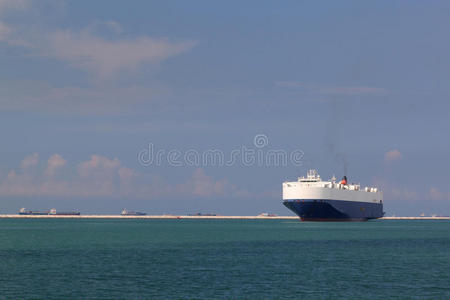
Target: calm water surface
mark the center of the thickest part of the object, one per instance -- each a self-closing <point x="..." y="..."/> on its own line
<point x="203" y="259"/>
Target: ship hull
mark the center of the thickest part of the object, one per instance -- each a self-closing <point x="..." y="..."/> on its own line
<point x="334" y="210"/>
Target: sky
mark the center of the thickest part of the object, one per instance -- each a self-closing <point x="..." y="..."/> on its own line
<point x="204" y="106"/>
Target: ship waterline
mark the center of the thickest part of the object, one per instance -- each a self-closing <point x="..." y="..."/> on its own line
<point x="334" y="210"/>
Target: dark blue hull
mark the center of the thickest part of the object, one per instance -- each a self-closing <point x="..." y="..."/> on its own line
<point x="334" y="210"/>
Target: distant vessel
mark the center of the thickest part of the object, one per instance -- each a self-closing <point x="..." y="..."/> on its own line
<point x="63" y="213"/>
<point x="315" y="200"/>
<point x="203" y="215"/>
<point x="23" y="211"/>
<point x="267" y="215"/>
<point x="132" y="213"/>
<point x="51" y="212"/>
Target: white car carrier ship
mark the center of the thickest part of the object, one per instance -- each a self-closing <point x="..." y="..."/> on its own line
<point x="315" y="200"/>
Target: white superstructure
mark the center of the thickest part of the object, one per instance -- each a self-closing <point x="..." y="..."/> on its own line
<point x="312" y="187"/>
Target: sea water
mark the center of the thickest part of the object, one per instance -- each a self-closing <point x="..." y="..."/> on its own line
<point x="204" y="259"/>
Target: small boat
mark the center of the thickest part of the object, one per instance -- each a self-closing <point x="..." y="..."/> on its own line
<point x="132" y="213"/>
<point x="267" y="215"/>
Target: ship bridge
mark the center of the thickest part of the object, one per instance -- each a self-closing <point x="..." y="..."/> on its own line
<point x="311" y="176"/>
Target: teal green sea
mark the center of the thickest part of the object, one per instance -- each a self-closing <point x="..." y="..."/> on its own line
<point x="204" y="259"/>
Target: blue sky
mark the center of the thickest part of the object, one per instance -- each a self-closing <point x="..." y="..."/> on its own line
<point x="85" y="86"/>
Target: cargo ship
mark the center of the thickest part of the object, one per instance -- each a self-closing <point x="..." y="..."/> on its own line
<point x="23" y="211"/>
<point x="53" y="212"/>
<point x="267" y="215"/>
<point x="132" y="213"/>
<point x="203" y="215"/>
<point x="315" y="200"/>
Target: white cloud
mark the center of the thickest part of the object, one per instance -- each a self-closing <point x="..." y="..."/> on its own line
<point x="8" y="5"/>
<point x="98" y="165"/>
<point x="4" y="31"/>
<point x="54" y="163"/>
<point x="402" y="193"/>
<point x="90" y="49"/>
<point x="395" y="192"/>
<point x="94" y="177"/>
<point x="336" y="90"/>
<point x="203" y="185"/>
<point x="101" y="57"/>
<point x="98" y="176"/>
<point x="101" y="176"/>
<point x="126" y="174"/>
<point x="102" y="48"/>
<point x="435" y="194"/>
<point x="11" y="175"/>
<point x="30" y="161"/>
<point x="392" y="155"/>
<point x="104" y="57"/>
